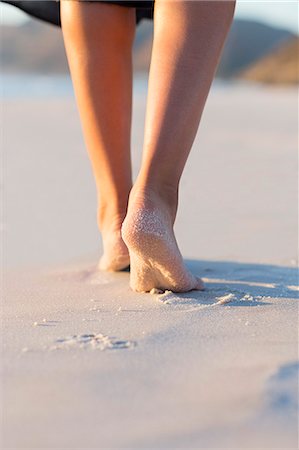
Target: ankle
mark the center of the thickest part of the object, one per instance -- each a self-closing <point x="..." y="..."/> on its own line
<point x="155" y="194"/>
<point x="110" y="217"/>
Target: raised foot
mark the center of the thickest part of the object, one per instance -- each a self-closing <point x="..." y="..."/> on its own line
<point x="155" y="259"/>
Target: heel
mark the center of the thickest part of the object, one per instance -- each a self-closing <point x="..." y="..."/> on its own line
<point x="141" y="274"/>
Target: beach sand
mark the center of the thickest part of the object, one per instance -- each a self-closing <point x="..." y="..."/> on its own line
<point x="86" y="362"/>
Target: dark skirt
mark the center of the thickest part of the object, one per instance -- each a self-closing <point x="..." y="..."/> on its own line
<point x="49" y="10"/>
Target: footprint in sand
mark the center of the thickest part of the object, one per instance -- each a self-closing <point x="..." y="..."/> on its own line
<point x="92" y="341"/>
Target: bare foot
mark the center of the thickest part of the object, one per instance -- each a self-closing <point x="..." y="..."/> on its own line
<point x="155" y="259"/>
<point x="116" y="256"/>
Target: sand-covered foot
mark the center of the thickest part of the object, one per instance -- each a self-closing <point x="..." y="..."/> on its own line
<point x="155" y="259"/>
<point x="116" y="256"/>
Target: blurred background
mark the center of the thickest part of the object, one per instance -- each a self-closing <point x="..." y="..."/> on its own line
<point x="262" y="45"/>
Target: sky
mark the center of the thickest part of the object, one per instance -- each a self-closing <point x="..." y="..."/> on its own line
<point x="283" y="14"/>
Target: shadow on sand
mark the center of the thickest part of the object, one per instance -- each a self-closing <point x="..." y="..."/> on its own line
<point x="237" y="284"/>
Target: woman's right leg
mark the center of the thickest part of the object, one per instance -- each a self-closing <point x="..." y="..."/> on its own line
<point x="98" y="39"/>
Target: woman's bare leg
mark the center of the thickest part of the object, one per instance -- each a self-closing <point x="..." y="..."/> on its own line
<point x="188" y="40"/>
<point x="98" y="39"/>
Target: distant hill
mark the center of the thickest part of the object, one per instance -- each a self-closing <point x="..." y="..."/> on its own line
<point x="34" y="46"/>
<point x="279" y="67"/>
<point x="38" y="47"/>
<point x="247" y="42"/>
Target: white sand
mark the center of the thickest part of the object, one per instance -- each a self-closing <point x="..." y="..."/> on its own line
<point x="89" y="364"/>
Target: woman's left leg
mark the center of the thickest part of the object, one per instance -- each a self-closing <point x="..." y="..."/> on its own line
<point x="98" y="39"/>
<point x="188" y="40"/>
